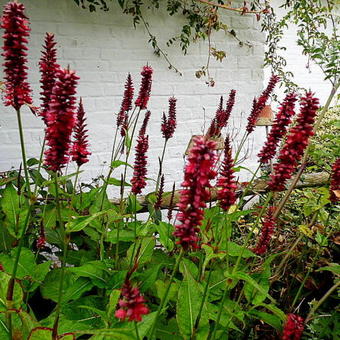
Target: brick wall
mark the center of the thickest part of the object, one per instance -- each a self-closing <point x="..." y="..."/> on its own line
<point x="102" y="47"/>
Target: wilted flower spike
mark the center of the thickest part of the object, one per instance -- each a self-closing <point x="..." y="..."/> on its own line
<point x="48" y="68"/>
<point x="145" y="88"/>
<point x="126" y="105"/>
<point x="171" y="204"/>
<point x="60" y="120"/>
<point x="259" y="104"/>
<point x="266" y="232"/>
<point x="160" y="194"/>
<point x="293" y="327"/>
<point x="226" y="183"/>
<point x="131" y="304"/>
<point x="335" y="182"/>
<point x="296" y="143"/>
<point x="80" y="151"/>
<point x="229" y="107"/>
<point x="138" y="180"/>
<point x="15" y="24"/>
<point x="197" y="176"/>
<point x="169" y="124"/>
<point x="145" y="123"/>
<point x="279" y="128"/>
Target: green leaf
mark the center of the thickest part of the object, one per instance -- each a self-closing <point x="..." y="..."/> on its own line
<point x="113" y="300"/>
<point x="236" y="250"/>
<point x="117" y="182"/>
<point x="26" y="264"/>
<point x="275" y="310"/>
<point x="73" y="287"/>
<point x="18" y="295"/>
<point x="333" y="267"/>
<point x="108" y="334"/>
<point x="15" y="209"/>
<point x="124" y="236"/>
<point x="252" y="282"/>
<point x="144" y="250"/>
<point x="81" y="222"/>
<point x="251" y="293"/>
<point x="188" y="303"/>
<point x="118" y="163"/>
<point x="93" y="270"/>
<point x="269" y="319"/>
<point x="165" y="231"/>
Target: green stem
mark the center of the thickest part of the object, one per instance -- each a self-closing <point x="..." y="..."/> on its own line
<point x="225" y="294"/>
<point x="39" y="165"/>
<point x="205" y="296"/>
<point x="75" y="184"/>
<point x="135" y="233"/>
<point x="136" y="329"/>
<point x="161" y="165"/>
<point x="63" y="262"/>
<point x="166" y="293"/>
<point x="23" y="152"/>
<point x="11" y="283"/>
<point x="239" y="149"/>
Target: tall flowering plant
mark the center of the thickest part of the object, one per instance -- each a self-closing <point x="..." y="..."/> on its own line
<point x="15" y="24"/>
<point x="215" y="264"/>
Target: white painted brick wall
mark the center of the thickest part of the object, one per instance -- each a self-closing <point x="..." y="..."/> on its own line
<point x="103" y="47"/>
<point x="306" y="74"/>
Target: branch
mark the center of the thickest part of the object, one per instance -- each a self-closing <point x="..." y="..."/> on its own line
<point x="260" y="186"/>
<point x="242" y="10"/>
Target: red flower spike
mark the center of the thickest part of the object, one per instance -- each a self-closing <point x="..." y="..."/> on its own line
<point x="259" y="104"/>
<point x="296" y="143"/>
<point x="226" y="183"/>
<point x="335" y="182"/>
<point x="197" y="176"/>
<point x="293" y="327"/>
<point x="80" y="145"/>
<point x="138" y="180"/>
<point x="160" y="194"/>
<point x="267" y="231"/>
<point x="15" y="23"/>
<point x="169" y="124"/>
<point x="279" y="128"/>
<point x="60" y="120"/>
<point x="145" y="88"/>
<point x="145" y="123"/>
<point x="48" y="68"/>
<point x="126" y="105"/>
<point x="131" y="304"/>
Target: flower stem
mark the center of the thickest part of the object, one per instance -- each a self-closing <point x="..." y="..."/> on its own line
<point x="23" y="152"/>
<point x="205" y="296"/>
<point x="136" y="329"/>
<point x="63" y="261"/>
<point x="39" y="165"/>
<point x="239" y="149"/>
<point x="166" y="293"/>
<point x="11" y="283"/>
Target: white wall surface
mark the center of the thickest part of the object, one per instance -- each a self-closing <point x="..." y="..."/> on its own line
<point x="306" y="73"/>
<point x="103" y="47"/>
